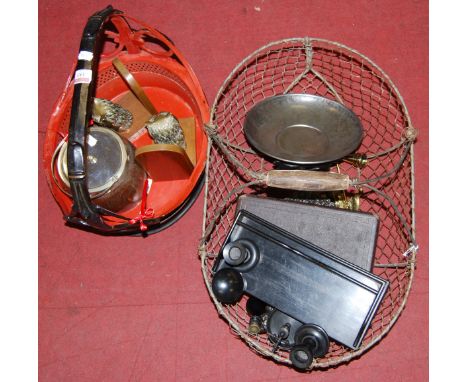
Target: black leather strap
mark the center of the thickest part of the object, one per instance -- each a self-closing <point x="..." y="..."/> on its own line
<point x="83" y="211"/>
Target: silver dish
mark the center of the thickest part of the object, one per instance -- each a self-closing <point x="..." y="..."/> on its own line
<point x="303" y="129"/>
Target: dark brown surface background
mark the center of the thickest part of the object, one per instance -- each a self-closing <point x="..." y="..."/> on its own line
<point x="133" y="309"/>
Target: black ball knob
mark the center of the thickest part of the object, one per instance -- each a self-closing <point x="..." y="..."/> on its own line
<point x="228" y="285"/>
<point x="255" y="307"/>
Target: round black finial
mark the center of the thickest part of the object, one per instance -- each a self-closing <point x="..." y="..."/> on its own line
<point x="228" y="285"/>
<point x="314" y="337"/>
<point x="301" y="357"/>
<point x="235" y="253"/>
<point x="311" y="341"/>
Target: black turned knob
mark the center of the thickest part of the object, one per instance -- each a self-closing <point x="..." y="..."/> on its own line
<point x="314" y="337"/>
<point x="301" y="357"/>
<point x="228" y="285"/>
<point x="235" y="253"/>
<point x="311" y="342"/>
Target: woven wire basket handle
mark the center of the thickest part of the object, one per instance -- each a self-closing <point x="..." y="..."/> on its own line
<point x="382" y="173"/>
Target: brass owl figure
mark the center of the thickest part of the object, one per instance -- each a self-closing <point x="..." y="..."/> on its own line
<point x="165" y="128"/>
<point x="109" y="114"/>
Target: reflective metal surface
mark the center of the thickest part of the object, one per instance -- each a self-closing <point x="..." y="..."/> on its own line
<point x="302" y="129"/>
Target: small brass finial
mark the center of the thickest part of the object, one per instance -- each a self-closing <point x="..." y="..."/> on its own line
<point x="358" y="160"/>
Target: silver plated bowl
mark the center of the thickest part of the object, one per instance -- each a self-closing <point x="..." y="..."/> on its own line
<point x="303" y="129"/>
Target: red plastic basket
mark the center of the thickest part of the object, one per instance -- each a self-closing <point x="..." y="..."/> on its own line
<point x="170" y="84"/>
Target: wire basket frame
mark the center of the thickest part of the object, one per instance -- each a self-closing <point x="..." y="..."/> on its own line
<point x="385" y="184"/>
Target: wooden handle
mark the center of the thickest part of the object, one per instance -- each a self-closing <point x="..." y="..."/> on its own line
<point x="134" y="85"/>
<point x="303" y="180"/>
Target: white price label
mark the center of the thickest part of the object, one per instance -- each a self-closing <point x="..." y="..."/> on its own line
<point x="85" y="55"/>
<point x="83" y="76"/>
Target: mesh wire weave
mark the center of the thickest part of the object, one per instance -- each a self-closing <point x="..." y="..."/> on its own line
<point x="334" y="71"/>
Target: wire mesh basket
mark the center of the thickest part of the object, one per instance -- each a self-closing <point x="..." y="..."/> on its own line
<point x="381" y="176"/>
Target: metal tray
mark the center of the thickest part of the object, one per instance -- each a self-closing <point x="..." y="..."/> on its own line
<point x="303" y="129"/>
